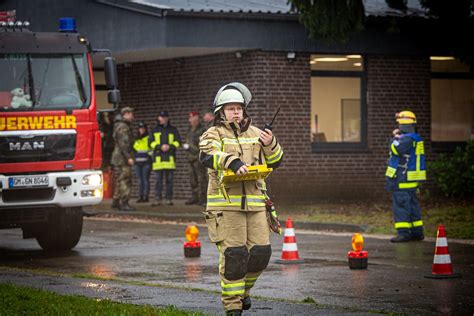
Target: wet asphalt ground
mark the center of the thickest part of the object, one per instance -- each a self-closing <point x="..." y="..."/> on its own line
<point x="153" y="253"/>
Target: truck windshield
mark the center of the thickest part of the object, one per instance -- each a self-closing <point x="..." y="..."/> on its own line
<point x="44" y="82"/>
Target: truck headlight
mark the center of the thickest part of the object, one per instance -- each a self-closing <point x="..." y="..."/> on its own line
<point x="92" y="179"/>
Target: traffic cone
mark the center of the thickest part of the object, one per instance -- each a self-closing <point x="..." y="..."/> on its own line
<point x="289" y="253"/>
<point x="442" y="266"/>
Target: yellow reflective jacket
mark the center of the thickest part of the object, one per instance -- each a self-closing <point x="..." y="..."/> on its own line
<point x="142" y="150"/>
<point x="228" y="146"/>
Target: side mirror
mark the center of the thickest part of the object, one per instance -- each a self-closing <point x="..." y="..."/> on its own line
<point x="113" y="97"/>
<point x="111" y="81"/>
<point x="110" y="69"/>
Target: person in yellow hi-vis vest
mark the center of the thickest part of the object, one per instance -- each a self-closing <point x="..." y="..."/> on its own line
<point x="164" y="140"/>
<point x="236" y="219"/>
<point x="142" y="163"/>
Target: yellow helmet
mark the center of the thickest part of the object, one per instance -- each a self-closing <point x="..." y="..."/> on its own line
<point x="406" y="117"/>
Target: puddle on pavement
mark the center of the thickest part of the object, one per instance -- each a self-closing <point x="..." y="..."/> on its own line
<point x="94" y="285"/>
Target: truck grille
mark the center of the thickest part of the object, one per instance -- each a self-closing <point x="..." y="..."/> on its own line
<point x="37" y="145"/>
<point x="27" y="195"/>
<point x="12" y="217"/>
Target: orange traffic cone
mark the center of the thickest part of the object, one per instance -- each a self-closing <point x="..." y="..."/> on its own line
<point x="289" y="252"/>
<point x="442" y="266"/>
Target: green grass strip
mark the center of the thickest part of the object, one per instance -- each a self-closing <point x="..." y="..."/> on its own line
<point x="19" y="300"/>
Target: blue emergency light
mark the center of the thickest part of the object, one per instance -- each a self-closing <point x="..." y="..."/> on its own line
<point x="67" y="25"/>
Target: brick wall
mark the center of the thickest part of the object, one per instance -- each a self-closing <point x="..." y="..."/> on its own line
<point x="181" y="85"/>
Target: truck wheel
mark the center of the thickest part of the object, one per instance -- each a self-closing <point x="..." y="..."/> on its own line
<point x="63" y="230"/>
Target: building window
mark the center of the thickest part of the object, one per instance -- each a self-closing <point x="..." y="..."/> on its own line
<point x="337" y="101"/>
<point x="452" y="100"/>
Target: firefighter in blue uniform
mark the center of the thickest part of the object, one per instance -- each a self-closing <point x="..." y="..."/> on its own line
<point x="164" y="141"/>
<point x="406" y="169"/>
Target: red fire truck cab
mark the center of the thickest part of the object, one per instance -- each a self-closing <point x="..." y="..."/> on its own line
<point x="50" y="143"/>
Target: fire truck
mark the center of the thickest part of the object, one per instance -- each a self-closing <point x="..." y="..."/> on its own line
<point x="50" y="142"/>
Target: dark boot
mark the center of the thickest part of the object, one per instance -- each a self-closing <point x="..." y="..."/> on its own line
<point x="246" y="303"/>
<point x="145" y="199"/>
<point x="125" y="207"/>
<point x="140" y="200"/>
<point x="116" y="204"/>
<point x="234" y="312"/>
<point x="169" y="202"/>
<point x="400" y="238"/>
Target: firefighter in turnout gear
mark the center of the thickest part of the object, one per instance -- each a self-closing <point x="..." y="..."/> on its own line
<point x="164" y="141"/>
<point x="197" y="172"/>
<point x="237" y="222"/>
<point x="406" y="169"/>
<point x="122" y="160"/>
<point x="142" y="164"/>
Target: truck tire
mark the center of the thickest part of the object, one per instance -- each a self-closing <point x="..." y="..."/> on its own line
<point x="63" y="230"/>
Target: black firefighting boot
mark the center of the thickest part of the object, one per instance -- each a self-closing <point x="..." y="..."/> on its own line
<point x="246" y="303"/>
<point x="234" y="312"/>
<point x="125" y="207"/>
<point x="400" y="238"/>
<point x="116" y="204"/>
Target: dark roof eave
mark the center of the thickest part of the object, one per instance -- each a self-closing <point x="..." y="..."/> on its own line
<point x="234" y="15"/>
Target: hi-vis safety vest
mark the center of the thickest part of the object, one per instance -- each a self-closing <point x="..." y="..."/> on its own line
<point x="160" y="136"/>
<point x="410" y="168"/>
<point x="142" y="150"/>
<point x="220" y="146"/>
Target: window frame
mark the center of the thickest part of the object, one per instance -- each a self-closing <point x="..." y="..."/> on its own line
<point x="318" y="147"/>
<point x="439" y="146"/>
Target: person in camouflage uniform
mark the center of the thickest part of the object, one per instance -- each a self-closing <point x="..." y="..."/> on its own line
<point x="122" y="160"/>
<point x="197" y="172"/>
<point x="208" y="119"/>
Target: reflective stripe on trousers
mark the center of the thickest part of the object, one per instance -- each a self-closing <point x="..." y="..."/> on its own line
<point x="233" y="288"/>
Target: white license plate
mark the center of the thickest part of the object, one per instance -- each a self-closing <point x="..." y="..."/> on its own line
<point x="28" y="181"/>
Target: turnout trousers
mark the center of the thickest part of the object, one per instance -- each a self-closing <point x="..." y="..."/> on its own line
<point x="243" y="241"/>
<point x="407" y="213"/>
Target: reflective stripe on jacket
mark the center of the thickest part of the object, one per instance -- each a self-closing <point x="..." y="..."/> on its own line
<point x="220" y="146"/>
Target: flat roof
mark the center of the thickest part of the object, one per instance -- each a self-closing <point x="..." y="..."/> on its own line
<point x="372" y="7"/>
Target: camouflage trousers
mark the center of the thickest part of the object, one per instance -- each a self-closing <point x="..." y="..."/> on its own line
<point x="198" y="180"/>
<point x="122" y="182"/>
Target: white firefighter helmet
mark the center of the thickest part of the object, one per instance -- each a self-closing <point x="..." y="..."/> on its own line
<point x="234" y="92"/>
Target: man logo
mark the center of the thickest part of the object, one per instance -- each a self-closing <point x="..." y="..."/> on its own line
<point x="26" y="146"/>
